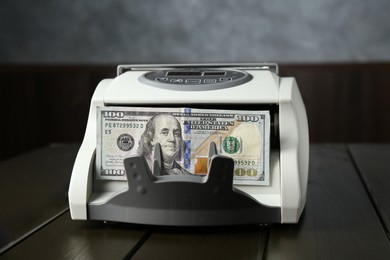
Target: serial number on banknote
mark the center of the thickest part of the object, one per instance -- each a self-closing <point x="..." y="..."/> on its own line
<point x="123" y="125"/>
<point x="244" y="162"/>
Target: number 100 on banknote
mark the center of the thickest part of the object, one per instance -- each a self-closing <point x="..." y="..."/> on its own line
<point x="184" y="135"/>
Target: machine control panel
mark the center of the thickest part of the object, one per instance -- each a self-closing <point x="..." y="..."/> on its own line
<point x="195" y="79"/>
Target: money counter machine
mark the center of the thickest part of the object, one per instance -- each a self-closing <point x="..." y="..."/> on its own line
<point x="244" y="147"/>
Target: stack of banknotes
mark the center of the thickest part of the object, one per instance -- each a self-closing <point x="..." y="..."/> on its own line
<point x="184" y="135"/>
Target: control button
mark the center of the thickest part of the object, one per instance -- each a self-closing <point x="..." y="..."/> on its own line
<point x="162" y="79"/>
<point x="193" y="81"/>
<point x="225" y="79"/>
<point x="176" y="80"/>
<point x="209" y="81"/>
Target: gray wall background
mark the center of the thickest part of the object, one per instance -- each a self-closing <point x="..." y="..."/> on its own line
<point x="154" y="31"/>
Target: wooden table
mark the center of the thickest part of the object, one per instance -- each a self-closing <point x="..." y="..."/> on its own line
<point x="347" y="215"/>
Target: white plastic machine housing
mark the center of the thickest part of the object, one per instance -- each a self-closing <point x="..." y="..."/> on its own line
<point x="288" y="163"/>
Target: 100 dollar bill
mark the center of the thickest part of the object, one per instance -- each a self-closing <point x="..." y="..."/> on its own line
<point x="184" y="135"/>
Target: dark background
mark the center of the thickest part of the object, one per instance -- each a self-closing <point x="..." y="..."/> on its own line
<point x="53" y="53"/>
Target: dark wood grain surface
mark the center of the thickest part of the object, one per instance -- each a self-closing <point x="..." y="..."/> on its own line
<point x="65" y="238"/>
<point x="339" y="221"/>
<point x="373" y="163"/>
<point x="240" y="242"/>
<point x="33" y="190"/>
<point x="345" y="216"/>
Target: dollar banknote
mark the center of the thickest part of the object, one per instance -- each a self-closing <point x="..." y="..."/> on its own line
<point x="184" y="135"/>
